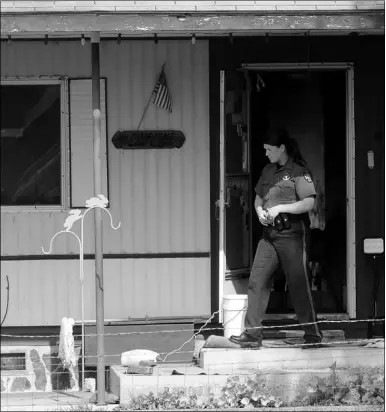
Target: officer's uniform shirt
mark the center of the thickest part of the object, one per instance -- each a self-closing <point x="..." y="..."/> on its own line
<point x="284" y="184"/>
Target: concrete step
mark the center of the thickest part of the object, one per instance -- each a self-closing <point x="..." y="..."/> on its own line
<point x="203" y="382"/>
<point x="292" y="358"/>
<point x="190" y="381"/>
<point x="287" y="384"/>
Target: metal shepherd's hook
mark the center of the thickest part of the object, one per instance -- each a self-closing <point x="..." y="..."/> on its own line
<point x="95" y="202"/>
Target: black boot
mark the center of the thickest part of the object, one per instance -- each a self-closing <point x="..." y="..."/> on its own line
<point x="245" y="340"/>
<point x="313" y="344"/>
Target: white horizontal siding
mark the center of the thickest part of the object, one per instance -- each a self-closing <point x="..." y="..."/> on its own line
<point x="161" y="197"/>
<point x="43" y="292"/>
<point x="82" y="142"/>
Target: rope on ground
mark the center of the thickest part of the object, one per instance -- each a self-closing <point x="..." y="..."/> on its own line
<point x="195" y="334"/>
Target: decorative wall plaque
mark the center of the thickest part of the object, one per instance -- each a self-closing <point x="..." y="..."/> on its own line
<point x="148" y="139"/>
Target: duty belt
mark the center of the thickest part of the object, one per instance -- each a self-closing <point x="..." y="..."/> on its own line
<point x="283" y="221"/>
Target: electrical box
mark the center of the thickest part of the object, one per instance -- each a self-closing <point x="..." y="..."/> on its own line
<point x="373" y="246"/>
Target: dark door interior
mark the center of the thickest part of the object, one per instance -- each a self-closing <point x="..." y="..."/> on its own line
<point x="311" y="105"/>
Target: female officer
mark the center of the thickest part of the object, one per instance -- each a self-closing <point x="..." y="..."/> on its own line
<point x="284" y="195"/>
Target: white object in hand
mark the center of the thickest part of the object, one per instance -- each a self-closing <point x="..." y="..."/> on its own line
<point x="140" y="358"/>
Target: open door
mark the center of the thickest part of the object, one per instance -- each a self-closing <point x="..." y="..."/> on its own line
<point x="235" y="248"/>
<point x="315" y="104"/>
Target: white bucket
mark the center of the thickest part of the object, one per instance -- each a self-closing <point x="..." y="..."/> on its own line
<point x="234" y="311"/>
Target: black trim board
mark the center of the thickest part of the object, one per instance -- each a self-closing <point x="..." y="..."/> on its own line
<point x="90" y="256"/>
<point x="186" y="36"/>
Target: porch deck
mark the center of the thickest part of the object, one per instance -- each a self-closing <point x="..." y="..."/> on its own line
<point x="212" y="375"/>
<point x="286" y="368"/>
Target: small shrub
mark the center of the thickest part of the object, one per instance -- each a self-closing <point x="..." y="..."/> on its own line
<point x="236" y="394"/>
<point x="358" y="386"/>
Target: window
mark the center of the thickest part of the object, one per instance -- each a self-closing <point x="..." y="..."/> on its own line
<point x="32" y="143"/>
<point x="43" y="167"/>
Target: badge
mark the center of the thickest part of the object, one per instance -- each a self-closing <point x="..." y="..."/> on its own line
<point x="307" y="176"/>
<point x="286" y="177"/>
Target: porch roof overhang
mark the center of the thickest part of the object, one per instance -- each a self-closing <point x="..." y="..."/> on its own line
<point x="129" y="25"/>
<point x="33" y="19"/>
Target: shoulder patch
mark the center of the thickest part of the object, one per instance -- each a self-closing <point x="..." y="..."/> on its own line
<point x="307" y="176"/>
<point x="270" y="167"/>
<point x="286" y="177"/>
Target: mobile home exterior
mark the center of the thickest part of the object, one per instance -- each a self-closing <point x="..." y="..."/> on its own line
<point x="163" y="262"/>
<point x="160" y="197"/>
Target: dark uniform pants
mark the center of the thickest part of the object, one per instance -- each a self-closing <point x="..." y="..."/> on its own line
<point x="287" y="248"/>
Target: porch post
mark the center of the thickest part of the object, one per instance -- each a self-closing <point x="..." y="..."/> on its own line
<point x="99" y="292"/>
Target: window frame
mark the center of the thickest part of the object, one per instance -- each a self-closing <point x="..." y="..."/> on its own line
<point x="64" y="140"/>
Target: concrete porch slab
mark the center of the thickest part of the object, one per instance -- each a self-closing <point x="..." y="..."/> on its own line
<point x="286" y="384"/>
<point x="285" y="369"/>
<point x="292" y="358"/>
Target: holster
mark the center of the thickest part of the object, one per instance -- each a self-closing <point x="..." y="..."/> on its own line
<point x="282" y="222"/>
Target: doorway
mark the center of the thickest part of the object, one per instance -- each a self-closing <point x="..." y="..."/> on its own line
<point x="312" y="106"/>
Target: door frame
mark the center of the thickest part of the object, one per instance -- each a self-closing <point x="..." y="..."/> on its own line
<point x="348" y="67"/>
<point x="221" y="202"/>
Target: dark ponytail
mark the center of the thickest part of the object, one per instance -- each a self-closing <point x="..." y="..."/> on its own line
<point x="294" y="152"/>
<point x="281" y="137"/>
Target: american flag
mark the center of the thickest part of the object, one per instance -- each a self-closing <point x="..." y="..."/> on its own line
<point x="161" y="93"/>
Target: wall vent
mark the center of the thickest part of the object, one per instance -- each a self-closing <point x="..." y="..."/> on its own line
<point x="13" y="361"/>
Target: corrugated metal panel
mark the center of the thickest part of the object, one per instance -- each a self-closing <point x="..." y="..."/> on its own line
<point x="42" y="292"/>
<point x="161" y="197"/>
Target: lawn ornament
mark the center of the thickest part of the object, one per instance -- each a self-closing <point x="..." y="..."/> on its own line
<point x="100" y="201"/>
<point x="74" y="215"/>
